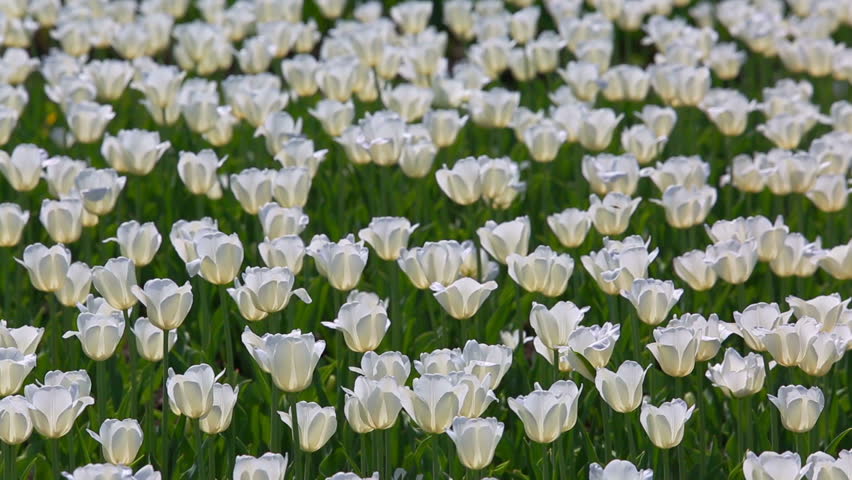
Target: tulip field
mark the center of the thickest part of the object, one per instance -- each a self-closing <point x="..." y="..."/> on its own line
<point x="414" y="240"/>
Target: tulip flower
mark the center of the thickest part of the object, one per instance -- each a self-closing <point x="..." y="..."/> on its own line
<point x="680" y="170"/>
<point x="738" y="376"/>
<point x="709" y="331"/>
<point x="120" y="440"/>
<point x="167" y="304"/>
<point x="493" y="108"/>
<point x="687" y="207"/>
<point x="23" y="167"/>
<point x="47" y="267"/>
<point x="270" y="289"/>
<point x="476" y="440"/>
<point x="692" y="268"/>
<point x="755" y="320"/>
<point x="733" y="261"/>
<point x="14" y="367"/>
<point x="554" y="326"/>
<point x="108" y="470"/>
<point x="362" y="324"/>
<point x="615" y="267"/>
<point x="387" y="235"/>
<point x="597" y="129"/>
<point x="570" y="226"/>
<point x="772" y="466"/>
<point x="665" y="424"/>
<point x="595" y="343"/>
<point x="16" y="426"/>
<point x="278" y="221"/>
<point x="341" y="263"/>
<point x="543" y="414"/>
<point x="821" y="465"/>
<point x="796" y="256"/>
<point x="611" y="173"/>
<point x="640" y="141"/>
<point x="149" y="339"/>
<point x="659" y="119"/>
<point x="612" y="215"/>
<point x="500" y="240"/>
<point x="138" y="242"/>
<point x="219" y="257"/>
<point x="13" y="219"/>
<point x="675" y="349"/>
<point x="463" y="298"/>
<point x="653" y="299"/>
<point x="290" y="358"/>
<point x="218" y="419"/>
<point x="433" y="401"/>
<point x="25" y="338"/>
<point x="388" y="364"/>
<point x="191" y="393"/>
<point x="252" y="188"/>
<point x="619" y="470"/>
<point x="133" y="151"/>
<point x="63" y="219"/>
<point x="316" y="425"/>
<point x="272" y="466"/>
<point x="837" y="261"/>
<point x="373" y="404"/>
<point x="300" y="152"/>
<point x="198" y="170"/>
<point x="542" y="271"/>
<point x="53" y="409"/>
<point x="287" y="251"/>
<point x="99" y="334"/>
<point x="622" y="389"/>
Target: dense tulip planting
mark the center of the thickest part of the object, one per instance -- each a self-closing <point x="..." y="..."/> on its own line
<point x="422" y="240"/>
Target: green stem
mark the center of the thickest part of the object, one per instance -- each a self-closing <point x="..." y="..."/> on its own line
<point x="386" y="464"/>
<point x="103" y="391"/>
<point x="9" y="461"/>
<point x="545" y="465"/>
<point x="436" y="459"/>
<point x="307" y="466"/>
<point x="229" y="341"/>
<point x="667" y="473"/>
<point x="164" y="425"/>
<point x="134" y="396"/>
<point x="274" y="437"/>
<point x="606" y="420"/>
<point x="56" y="327"/>
<point x="395" y="304"/>
<point x="200" y="464"/>
<point x="54" y="456"/>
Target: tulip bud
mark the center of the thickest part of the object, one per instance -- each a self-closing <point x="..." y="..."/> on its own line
<point x="334" y="116"/>
<point x="252" y="188"/>
<point x="110" y="77"/>
<point x="659" y="119"/>
<point x="417" y="157"/>
<point x="583" y="78"/>
<point x="543" y="140"/>
<point x="687" y="206"/>
<point x="626" y="82"/>
<point x="362" y="324"/>
<point x="88" y="120"/>
<point x="149" y="339"/>
<point x="47" y="267"/>
<point x="25" y="338"/>
<point x="493" y="108"/>
<point x="120" y="440"/>
<point x="134" y="151"/>
<point x="476" y="440"/>
<point x="542" y="271"/>
<point x="242" y="297"/>
<point x="99" y="189"/>
<point x="444" y="126"/>
<point x="291" y="185"/>
<point x="622" y="389"/>
<point x="433" y="401"/>
<point x="16" y="426"/>
<point x="796" y="257"/>
<point x="619" y="469"/>
<point x="276" y="354"/>
<point x="652" y="299"/>
<point x="462" y="183"/>
<point x="191" y="393"/>
<point x="340" y="263"/>
<point x="53" y="409"/>
<point x="198" y="171"/>
<point x="799" y="407"/>
<point x="271" y="466"/>
<point x="316" y="425"/>
<point x="23" y="168"/>
<point x="830" y="192"/>
<point x="463" y="298"/>
<point x="570" y="226"/>
<point x="728" y="110"/>
<point x="115" y="281"/>
<point x="501" y="240"/>
<point x="612" y="215"/>
<point x="665" y="424"/>
<point x="628" y="261"/>
<point x="640" y="141"/>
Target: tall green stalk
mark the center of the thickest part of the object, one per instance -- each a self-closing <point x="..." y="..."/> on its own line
<point x="229" y="341"/>
<point x="200" y="464"/>
<point x="103" y="389"/>
<point x="53" y="449"/>
<point x="164" y="423"/>
<point x="9" y="461"/>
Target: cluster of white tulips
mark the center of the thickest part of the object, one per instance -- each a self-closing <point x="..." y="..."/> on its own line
<point x="260" y="132"/>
